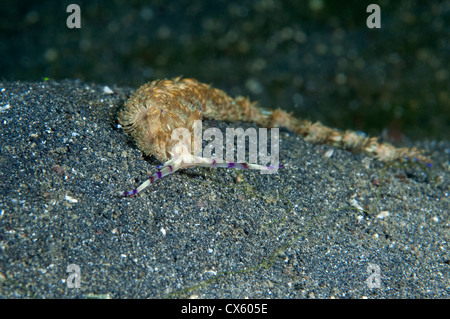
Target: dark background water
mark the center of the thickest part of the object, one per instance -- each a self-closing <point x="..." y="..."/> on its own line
<point x="315" y="58"/>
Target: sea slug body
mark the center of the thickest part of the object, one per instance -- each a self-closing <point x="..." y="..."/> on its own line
<point x="157" y="108"/>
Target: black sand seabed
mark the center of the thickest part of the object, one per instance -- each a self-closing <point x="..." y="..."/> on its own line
<point x="200" y="232"/>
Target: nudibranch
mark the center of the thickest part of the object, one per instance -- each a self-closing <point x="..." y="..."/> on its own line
<point x="157" y="108"/>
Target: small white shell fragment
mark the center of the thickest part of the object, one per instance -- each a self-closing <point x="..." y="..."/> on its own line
<point x="107" y="90"/>
<point x="354" y="203"/>
<point x="71" y="199"/>
<point x="329" y="153"/>
<point x="4" y="108"/>
<point x="163" y="231"/>
<point x="383" y="214"/>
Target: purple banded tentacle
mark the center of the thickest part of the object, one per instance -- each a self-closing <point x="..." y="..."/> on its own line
<point x="173" y="165"/>
<point x="167" y="170"/>
<point x="204" y="162"/>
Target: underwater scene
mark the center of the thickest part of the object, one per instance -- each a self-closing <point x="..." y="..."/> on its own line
<point x="222" y="150"/>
